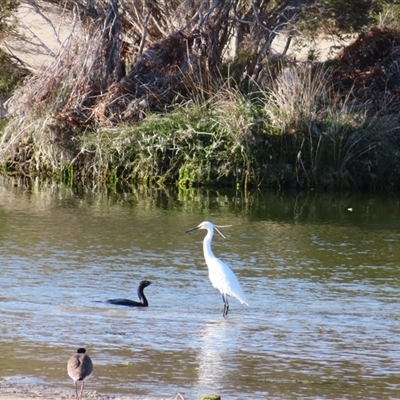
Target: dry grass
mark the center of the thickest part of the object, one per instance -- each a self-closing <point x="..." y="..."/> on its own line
<point x="298" y="98"/>
<point x="35" y="106"/>
<point x="335" y="142"/>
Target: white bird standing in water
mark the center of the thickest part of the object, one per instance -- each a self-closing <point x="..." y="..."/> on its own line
<point x="220" y="274"/>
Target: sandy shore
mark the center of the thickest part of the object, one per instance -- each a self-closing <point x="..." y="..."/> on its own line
<point x="43" y="33"/>
<point x="11" y="391"/>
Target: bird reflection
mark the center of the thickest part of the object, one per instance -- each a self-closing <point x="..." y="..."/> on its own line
<point x="215" y="345"/>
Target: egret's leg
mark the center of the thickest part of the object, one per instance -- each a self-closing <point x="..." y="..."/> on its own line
<point x="226" y="305"/>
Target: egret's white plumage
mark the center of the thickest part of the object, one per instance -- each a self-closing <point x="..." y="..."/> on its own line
<point x="220" y="274"/>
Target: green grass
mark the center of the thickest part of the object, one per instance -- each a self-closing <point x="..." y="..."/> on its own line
<point x="194" y="144"/>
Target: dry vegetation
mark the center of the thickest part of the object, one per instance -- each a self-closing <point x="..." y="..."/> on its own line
<point x="158" y="103"/>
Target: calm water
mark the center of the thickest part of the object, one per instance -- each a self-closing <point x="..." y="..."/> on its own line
<point x="323" y="283"/>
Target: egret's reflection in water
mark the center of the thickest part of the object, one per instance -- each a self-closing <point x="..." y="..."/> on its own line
<point x="213" y="353"/>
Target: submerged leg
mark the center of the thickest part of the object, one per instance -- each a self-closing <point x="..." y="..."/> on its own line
<point x="226" y="305"/>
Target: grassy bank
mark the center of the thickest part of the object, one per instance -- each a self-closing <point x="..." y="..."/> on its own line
<point x="300" y="129"/>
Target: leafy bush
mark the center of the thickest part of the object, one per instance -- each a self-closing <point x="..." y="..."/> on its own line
<point x="6" y="15"/>
<point x="11" y="74"/>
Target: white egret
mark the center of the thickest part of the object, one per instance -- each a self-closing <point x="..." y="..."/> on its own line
<point x="131" y="303"/>
<point x="79" y="368"/>
<point x="220" y="274"/>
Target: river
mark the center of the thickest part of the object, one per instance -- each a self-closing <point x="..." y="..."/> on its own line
<point x="321" y="273"/>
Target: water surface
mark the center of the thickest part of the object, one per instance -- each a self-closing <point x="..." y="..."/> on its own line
<point x="321" y="274"/>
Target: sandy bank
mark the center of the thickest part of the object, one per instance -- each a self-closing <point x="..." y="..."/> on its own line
<point x="12" y="391"/>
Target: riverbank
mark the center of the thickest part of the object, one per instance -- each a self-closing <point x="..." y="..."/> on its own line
<point x="326" y="125"/>
<point x="12" y="391"/>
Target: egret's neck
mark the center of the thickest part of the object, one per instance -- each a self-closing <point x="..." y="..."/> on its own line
<point x="207" y="245"/>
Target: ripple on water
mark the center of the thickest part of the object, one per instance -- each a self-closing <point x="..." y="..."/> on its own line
<point x="323" y="321"/>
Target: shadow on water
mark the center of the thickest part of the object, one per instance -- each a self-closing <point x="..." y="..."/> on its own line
<point x="321" y="273"/>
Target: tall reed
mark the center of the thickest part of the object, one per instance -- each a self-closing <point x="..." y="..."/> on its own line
<point x="329" y="141"/>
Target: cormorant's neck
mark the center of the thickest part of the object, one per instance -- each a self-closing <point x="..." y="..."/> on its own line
<point x="142" y="297"/>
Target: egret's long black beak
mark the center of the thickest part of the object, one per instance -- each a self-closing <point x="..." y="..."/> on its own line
<point x="193" y="229"/>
